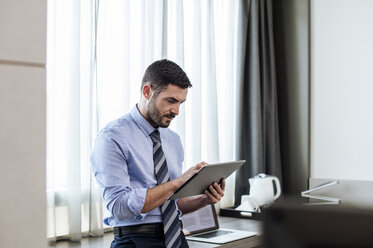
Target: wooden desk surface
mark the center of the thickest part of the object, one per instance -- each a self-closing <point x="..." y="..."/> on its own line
<point x="238" y="224"/>
<point x="225" y="222"/>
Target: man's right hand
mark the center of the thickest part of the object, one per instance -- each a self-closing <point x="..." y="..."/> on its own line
<point x="158" y="195"/>
<point x="188" y="174"/>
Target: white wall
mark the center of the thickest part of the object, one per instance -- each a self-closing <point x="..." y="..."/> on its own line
<point x="22" y="123"/>
<point x="342" y="89"/>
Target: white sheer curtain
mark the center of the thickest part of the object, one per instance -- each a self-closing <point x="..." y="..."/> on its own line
<point x="74" y="200"/>
<point x="198" y="35"/>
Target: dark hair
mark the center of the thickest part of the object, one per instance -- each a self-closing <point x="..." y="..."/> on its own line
<point x="164" y="72"/>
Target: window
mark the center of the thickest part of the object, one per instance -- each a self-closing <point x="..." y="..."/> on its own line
<point x="93" y="81"/>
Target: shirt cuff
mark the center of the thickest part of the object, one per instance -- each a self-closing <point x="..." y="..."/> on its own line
<point x="136" y="202"/>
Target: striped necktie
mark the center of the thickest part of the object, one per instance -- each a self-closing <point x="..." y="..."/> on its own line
<point x="171" y="224"/>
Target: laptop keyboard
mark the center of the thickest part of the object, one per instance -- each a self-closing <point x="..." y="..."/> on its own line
<point x="212" y="234"/>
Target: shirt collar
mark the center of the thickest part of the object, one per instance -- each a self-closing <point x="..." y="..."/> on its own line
<point x="143" y="124"/>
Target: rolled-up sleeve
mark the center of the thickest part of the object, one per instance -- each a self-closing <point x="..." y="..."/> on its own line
<point x="136" y="202"/>
<point x="110" y="169"/>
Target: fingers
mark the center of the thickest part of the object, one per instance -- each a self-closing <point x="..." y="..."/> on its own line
<point x="190" y="172"/>
<point x="199" y="166"/>
<point x="218" y="189"/>
<point x="222" y="184"/>
<point x="215" y="192"/>
<point x="211" y="198"/>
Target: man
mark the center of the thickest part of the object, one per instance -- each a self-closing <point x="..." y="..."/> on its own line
<point x="137" y="161"/>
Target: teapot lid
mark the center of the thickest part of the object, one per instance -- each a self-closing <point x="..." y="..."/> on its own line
<point x="262" y="175"/>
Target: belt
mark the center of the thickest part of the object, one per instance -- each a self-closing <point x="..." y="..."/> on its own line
<point x="154" y="228"/>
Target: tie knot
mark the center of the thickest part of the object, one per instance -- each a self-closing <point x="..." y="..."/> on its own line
<point x="156" y="137"/>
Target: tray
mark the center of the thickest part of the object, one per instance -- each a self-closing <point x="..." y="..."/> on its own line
<point x="232" y="212"/>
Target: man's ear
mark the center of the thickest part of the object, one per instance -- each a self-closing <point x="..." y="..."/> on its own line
<point x="147" y="91"/>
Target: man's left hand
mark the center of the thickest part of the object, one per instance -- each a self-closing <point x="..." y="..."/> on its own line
<point x="215" y="191"/>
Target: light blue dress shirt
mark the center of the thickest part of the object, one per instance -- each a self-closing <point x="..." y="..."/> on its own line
<point x="122" y="163"/>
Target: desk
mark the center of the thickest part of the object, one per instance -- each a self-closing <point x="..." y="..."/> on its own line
<point x="239" y="224"/>
<point x="225" y="222"/>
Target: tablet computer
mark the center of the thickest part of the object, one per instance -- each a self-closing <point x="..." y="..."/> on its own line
<point x="205" y="176"/>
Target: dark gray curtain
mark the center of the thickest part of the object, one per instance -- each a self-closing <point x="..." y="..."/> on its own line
<point x="258" y="119"/>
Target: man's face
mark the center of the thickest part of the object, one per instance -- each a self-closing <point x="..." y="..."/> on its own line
<point x="165" y="106"/>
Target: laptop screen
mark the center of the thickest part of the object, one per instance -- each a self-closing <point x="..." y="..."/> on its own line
<point x="204" y="219"/>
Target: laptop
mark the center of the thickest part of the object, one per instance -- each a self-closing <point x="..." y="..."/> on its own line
<point x="202" y="225"/>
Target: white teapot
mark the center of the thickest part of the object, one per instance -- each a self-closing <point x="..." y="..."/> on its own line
<point x="261" y="188"/>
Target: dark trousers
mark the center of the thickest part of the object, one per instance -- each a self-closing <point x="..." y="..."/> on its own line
<point x="143" y="240"/>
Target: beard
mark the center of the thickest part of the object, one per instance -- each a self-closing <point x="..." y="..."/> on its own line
<point x="155" y="116"/>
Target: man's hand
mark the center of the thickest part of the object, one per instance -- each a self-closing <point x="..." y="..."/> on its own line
<point x="158" y="195"/>
<point x="215" y="191"/>
<point x="189" y="173"/>
<point x="213" y="194"/>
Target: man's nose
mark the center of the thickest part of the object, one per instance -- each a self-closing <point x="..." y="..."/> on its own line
<point x="175" y="109"/>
